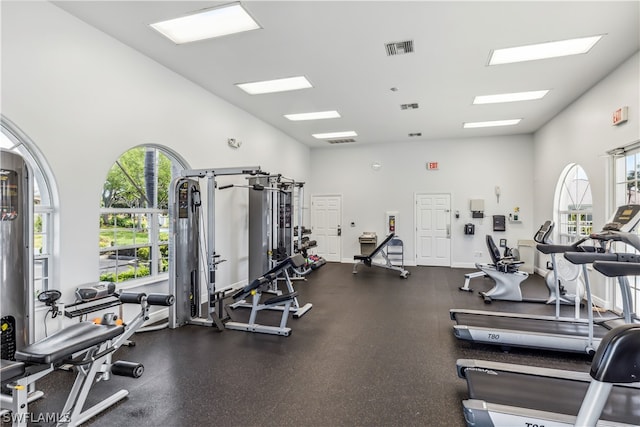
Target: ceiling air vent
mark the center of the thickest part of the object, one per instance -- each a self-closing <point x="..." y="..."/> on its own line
<point x="413" y="106"/>
<point x="415" y="134"/>
<point x="341" y="141"/>
<point x="399" y="48"/>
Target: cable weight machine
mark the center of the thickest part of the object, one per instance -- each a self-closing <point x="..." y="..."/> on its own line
<point x="187" y="228"/>
<point x="273" y="238"/>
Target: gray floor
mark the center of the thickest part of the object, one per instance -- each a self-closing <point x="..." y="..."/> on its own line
<point x="375" y="350"/>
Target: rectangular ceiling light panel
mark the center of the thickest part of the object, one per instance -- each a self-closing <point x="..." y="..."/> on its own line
<point x="220" y="21"/>
<point x="318" y="115"/>
<point x="278" y="85"/>
<point x="510" y="97"/>
<point x="543" y="50"/>
<point x="509" y="122"/>
<point x="332" y="135"/>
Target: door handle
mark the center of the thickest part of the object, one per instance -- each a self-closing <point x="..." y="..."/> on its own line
<point x="448" y="230"/>
<point x="339" y="231"/>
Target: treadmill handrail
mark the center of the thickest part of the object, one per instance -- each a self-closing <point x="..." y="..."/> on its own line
<point x="547" y="248"/>
<point x="589" y="257"/>
<point x="617" y="268"/>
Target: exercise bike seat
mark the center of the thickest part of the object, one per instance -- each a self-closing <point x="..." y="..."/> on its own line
<point x="68" y="341"/>
<point x="504" y="264"/>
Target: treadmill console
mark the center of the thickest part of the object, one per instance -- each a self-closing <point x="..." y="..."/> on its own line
<point x="624" y="219"/>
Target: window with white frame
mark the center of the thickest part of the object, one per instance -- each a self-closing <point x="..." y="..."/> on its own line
<point x="134" y="215"/>
<point x="44" y="209"/>
<point x="573" y="205"/>
<point x="626" y="165"/>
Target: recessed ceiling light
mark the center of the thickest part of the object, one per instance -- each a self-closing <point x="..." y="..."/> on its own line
<point x="216" y="22"/>
<point x="278" y="85"/>
<point x="543" y="50"/>
<point x="509" y="122"/>
<point x="318" y="115"/>
<point x="345" y="134"/>
<point x="510" y="97"/>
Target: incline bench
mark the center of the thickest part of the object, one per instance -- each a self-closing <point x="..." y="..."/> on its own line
<point x="368" y="260"/>
<point x="284" y="301"/>
<point x="297" y="264"/>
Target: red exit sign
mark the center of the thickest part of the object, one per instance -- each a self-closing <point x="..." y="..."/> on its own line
<point x="620" y="116"/>
<point x="432" y="166"/>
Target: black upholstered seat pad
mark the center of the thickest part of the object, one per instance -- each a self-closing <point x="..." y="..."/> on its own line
<point x="68" y="341"/>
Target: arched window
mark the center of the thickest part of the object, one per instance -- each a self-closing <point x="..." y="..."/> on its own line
<point x="573" y="205"/>
<point x="45" y="202"/>
<point x="134" y="214"/>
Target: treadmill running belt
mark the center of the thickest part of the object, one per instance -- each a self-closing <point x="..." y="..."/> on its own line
<point x="550" y="394"/>
<point x="530" y="325"/>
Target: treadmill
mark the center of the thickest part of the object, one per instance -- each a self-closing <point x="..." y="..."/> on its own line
<point x="502" y="394"/>
<point x="554" y="332"/>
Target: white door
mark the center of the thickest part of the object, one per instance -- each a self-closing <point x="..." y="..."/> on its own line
<point x="433" y="229"/>
<point x="326" y="214"/>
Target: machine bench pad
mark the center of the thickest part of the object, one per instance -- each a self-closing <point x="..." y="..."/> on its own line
<point x="66" y="342"/>
<point x="281" y="298"/>
<point x="10" y="369"/>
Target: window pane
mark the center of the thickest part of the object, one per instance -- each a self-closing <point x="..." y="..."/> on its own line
<point x="41" y="275"/>
<point x="39" y="237"/>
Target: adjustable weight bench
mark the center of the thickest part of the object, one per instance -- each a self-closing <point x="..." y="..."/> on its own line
<point x="368" y="260"/>
<point x="88" y="347"/>
<point x="280" y="302"/>
<point x="295" y="263"/>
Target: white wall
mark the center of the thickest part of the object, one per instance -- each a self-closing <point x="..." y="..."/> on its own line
<point x="468" y="169"/>
<point x="582" y="134"/>
<point x="85" y="98"/>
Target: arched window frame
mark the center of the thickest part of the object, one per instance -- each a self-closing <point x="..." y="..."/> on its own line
<point x="573" y="205"/>
<point x="156" y="242"/>
<point x="44" y="219"/>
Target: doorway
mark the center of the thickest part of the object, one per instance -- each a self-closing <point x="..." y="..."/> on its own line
<point x="433" y="229"/>
<point x="326" y="219"/>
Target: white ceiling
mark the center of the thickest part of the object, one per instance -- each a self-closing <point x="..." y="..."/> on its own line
<point x="340" y="47"/>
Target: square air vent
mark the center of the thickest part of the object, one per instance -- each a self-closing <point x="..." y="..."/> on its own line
<point x="341" y="141"/>
<point x="399" y="48"/>
<point x="413" y="106"/>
